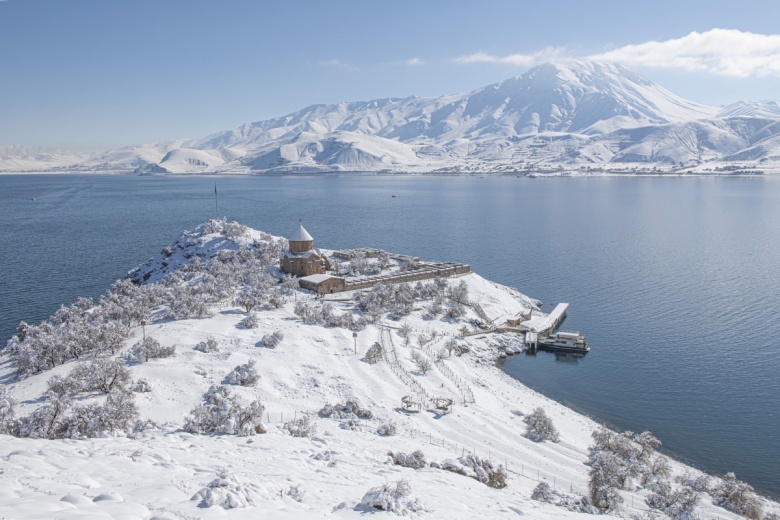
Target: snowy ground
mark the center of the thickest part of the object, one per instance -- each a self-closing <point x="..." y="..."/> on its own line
<point x="158" y="473"/>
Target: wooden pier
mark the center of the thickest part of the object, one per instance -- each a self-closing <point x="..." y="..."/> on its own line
<point x="555" y="319"/>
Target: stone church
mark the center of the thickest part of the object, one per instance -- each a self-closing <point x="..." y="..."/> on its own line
<point x="302" y="259"/>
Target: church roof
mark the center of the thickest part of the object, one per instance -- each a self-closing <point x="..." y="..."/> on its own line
<point x="300" y="235"/>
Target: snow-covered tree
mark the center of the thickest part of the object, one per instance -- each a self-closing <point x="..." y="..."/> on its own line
<point x="373" y="354"/>
<point x="225" y="491"/>
<point x="101" y="375"/>
<point x="738" y="497"/>
<point x="210" y="345"/>
<point x="678" y="504"/>
<point x="607" y="475"/>
<point x="288" y="285"/>
<point x="223" y="412"/>
<point x="244" y="375"/>
<point x="141" y="386"/>
<point x="7" y="404"/>
<point x="187" y="301"/>
<point x="460" y="293"/>
<point x="394" y="497"/>
<point x="387" y="429"/>
<point x="483" y="470"/>
<point x="421" y="361"/>
<point x="700" y="483"/>
<point x="405" y="331"/>
<point x="540" y="427"/>
<point x="272" y="340"/>
<point x="414" y="460"/>
<point x="250" y="322"/>
<point x="301" y="427"/>
<point x="250" y="298"/>
<point x="543" y="492"/>
<point x="149" y="348"/>
<point x="352" y="409"/>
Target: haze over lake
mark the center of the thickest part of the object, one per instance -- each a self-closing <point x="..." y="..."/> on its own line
<point x="673" y="280"/>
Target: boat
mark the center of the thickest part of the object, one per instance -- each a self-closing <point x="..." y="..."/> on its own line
<point x="565" y="342"/>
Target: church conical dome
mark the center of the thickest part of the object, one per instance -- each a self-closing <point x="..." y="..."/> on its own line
<point x="300" y="240"/>
<point x="300" y="235"/>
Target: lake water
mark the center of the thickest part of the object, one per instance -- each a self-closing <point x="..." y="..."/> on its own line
<point x="675" y="281"/>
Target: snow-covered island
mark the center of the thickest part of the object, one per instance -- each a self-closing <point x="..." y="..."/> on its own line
<point x="214" y="386"/>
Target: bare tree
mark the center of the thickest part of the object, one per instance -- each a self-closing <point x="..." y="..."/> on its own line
<point x="421" y="361"/>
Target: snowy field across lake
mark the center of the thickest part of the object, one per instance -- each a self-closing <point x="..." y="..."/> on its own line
<point x="673" y="280"/>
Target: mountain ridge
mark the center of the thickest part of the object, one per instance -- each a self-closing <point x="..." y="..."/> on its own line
<point x="565" y="116"/>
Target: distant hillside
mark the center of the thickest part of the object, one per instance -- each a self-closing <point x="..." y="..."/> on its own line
<point x="571" y="115"/>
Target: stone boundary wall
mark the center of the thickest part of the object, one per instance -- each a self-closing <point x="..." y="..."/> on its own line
<point x="349" y="254"/>
<point x="425" y="272"/>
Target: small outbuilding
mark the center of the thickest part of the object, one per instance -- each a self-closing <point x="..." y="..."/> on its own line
<point x="323" y="283"/>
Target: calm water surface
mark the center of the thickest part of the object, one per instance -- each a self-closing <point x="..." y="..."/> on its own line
<point x="675" y="281"/>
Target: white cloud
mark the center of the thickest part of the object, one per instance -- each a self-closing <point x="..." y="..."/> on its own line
<point x="337" y="64"/>
<point x="726" y="52"/>
<point x="414" y="62"/>
<point x="518" y="60"/>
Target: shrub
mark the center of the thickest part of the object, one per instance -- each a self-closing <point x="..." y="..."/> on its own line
<point x="272" y="340"/>
<point x="225" y="491"/>
<point x="572" y="502"/>
<point x="301" y="427"/>
<point x="349" y="410"/>
<point x="210" y="345"/>
<point x="492" y="475"/>
<point x="223" y="412"/>
<point x="149" y="348"/>
<point x="414" y="460"/>
<point x="394" y="497"/>
<point x="142" y="386"/>
<point x="373" y="354"/>
<point x="350" y="424"/>
<point x="244" y="375"/>
<point x="540" y="427"/>
<point x="387" y="429"/>
<point x="738" y="497"/>
<point x="250" y="322"/>
<point x="296" y="493"/>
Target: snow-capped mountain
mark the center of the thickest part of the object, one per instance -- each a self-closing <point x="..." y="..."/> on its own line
<point x="570" y="114"/>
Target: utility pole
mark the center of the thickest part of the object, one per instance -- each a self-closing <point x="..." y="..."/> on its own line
<point x="216" y="202"/>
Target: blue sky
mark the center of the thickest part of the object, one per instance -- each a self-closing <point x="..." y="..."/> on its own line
<point x="95" y="74"/>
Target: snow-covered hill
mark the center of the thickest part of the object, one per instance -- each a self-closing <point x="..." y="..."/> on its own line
<point x="171" y="465"/>
<point x="576" y="114"/>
